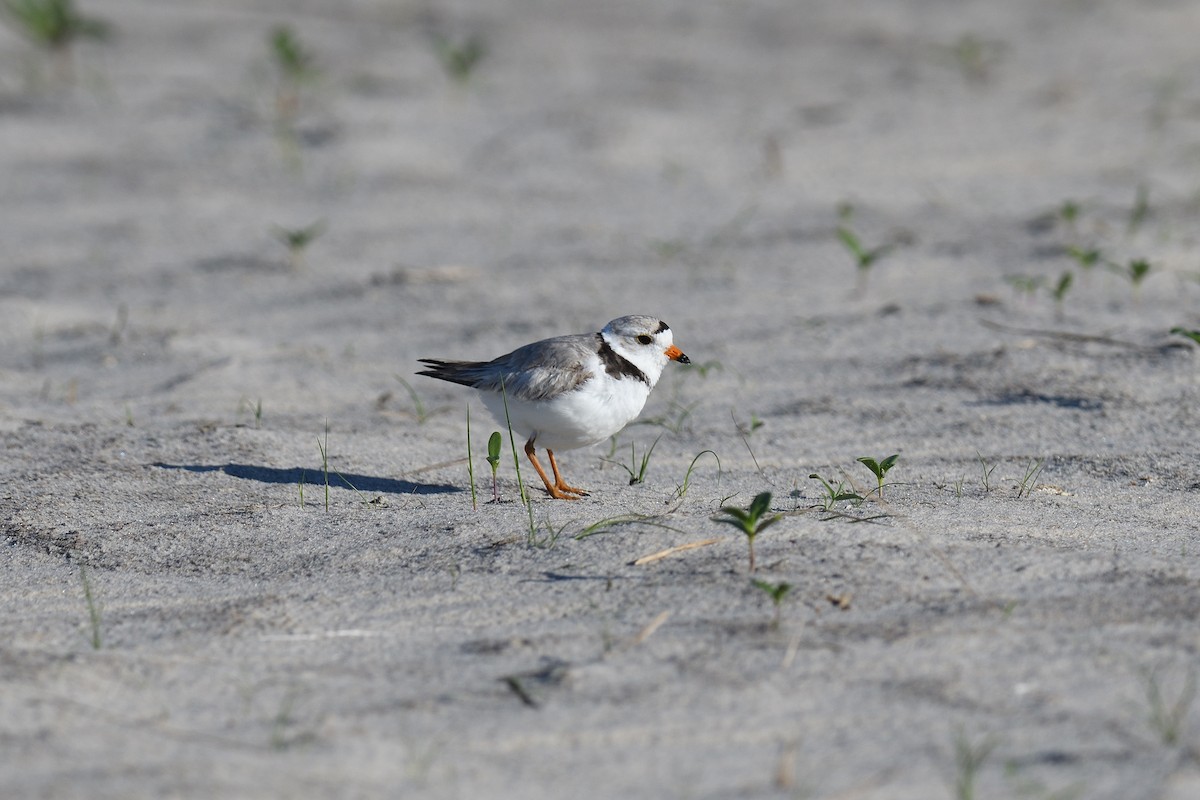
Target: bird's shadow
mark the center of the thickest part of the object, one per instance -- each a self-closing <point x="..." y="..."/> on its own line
<point x="296" y="475"/>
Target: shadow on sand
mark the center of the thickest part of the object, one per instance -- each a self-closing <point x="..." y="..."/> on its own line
<point x="363" y="483"/>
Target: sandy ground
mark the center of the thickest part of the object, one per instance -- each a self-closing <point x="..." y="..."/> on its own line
<point x="1016" y="617"/>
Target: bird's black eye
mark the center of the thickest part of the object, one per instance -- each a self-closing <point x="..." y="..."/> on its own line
<point x="645" y="339"/>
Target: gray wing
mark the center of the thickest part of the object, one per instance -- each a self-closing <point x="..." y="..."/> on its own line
<point x="534" y="372"/>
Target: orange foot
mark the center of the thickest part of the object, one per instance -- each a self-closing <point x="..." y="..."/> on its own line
<point x="559" y="489"/>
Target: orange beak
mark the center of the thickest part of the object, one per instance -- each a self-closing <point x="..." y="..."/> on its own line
<point x="675" y="354"/>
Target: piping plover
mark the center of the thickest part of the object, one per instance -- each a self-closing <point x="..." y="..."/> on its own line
<point x="570" y="391"/>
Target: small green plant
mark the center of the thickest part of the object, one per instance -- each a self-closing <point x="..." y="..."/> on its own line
<point x="752" y="520"/>
<point x="420" y="413"/>
<point x="493" y="459"/>
<point x="52" y="24"/>
<point x="512" y="440"/>
<point x="969" y="759"/>
<point x="776" y="591"/>
<point x="1068" y="212"/>
<point x="295" y="67"/>
<point x="835" y="495"/>
<point x="459" y="58"/>
<point x="93" y="608"/>
<point x="323" y="447"/>
<point x="1031" y="473"/>
<point x="637" y="474"/>
<point x="682" y="490"/>
<point x="1187" y="333"/>
<point x="1137" y="270"/>
<point x="879" y="468"/>
<point x="1025" y="284"/>
<point x="976" y="57"/>
<point x="297" y="240"/>
<point x="1059" y="290"/>
<point x="1085" y="257"/>
<point x="471" y="462"/>
<point x="864" y="257"/>
<point x="987" y="472"/>
<point x="1167" y="718"/>
<point x="1140" y="210"/>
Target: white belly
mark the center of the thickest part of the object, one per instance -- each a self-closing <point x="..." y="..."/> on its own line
<point x="592" y="413"/>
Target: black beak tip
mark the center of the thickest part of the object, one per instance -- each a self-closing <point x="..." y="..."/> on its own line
<point x="684" y="359"/>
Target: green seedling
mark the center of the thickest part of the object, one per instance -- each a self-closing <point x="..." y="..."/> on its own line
<point x="323" y="447"/>
<point x="1168" y="719"/>
<point x="471" y="462"/>
<point x="93" y="607"/>
<point x="776" y="591"/>
<point x="1137" y="270"/>
<point x="1025" y="284"/>
<point x="297" y="240"/>
<point x="1068" y="212"/>
<point x="752" y="520"/>
<point x="295" y="66"/>
<point x="987" y="472"/>
<point x="459" y="59"/>
<point x="969" y="759"/>
<point x="637" y="474"/>
<point x="512" y="441"/>
<point x="420" y="413"/>
<point x="879" y="468"/>
<point x="864" y="257"/>
<point x="1085" y="257"/>
<point x="835" y="495"/>
<point x="52" y="24"/>
<point x="1027" y="482"/>
<point x="1194" y="335"/>
<point x="493" y="459"/>
<point x="1060" y="289"/>
<point x="1140" y="210"/>
<point x="682" y="490"/>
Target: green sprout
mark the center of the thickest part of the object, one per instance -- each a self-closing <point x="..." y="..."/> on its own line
<point x="296" y="66"/>
<point x="776" y="591"/>
<point x="460" y="58"/>
<point x="493" y="459"/>
<point x="1060" y="289"/>
<point x="52" y="24"/>
<point x="471" y="462"/>
<point x="1168" y="719"/>
<point x="1025" y="284"/>
<point x="297" y="240"/>
<point x="682" y="490"/>
<point x="1031" y="473"/>
<point x="835" y="495"/>
<point x="93" y="607"/>
<point x="752" y="520"/>
<point x="637" y="474"/>
<point x="970" y="759"/>
<point x="1186" y="332"/>
<point x="864" y="257"/>
<point x="987" y="472"/>
<point x="1140" y="210"/>
<point x="1137" y="270"/>
<point x="1085" y="257"/>
<point x="879" y="468"/>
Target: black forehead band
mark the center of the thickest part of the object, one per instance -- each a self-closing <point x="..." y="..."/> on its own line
<point x="662" y="326"/>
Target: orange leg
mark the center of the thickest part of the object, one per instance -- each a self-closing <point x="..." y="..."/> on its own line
<point x="554" y="490"/>
<point x="559" y="483"/>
